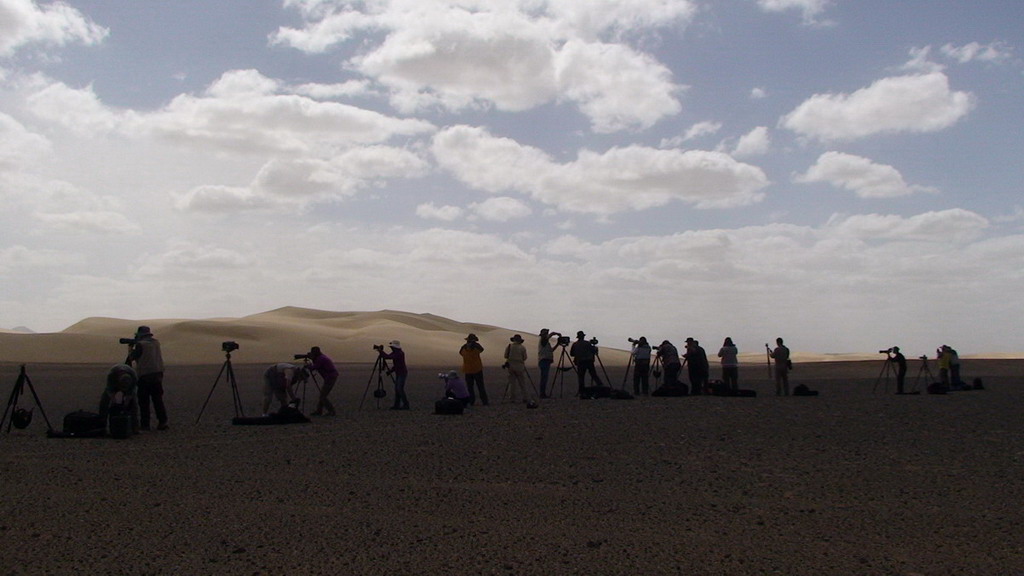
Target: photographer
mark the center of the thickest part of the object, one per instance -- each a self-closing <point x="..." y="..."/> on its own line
<point x="900" y="360"/>
<point x="322" y="364"/>
<point x="149" y="365"/>
<point x="730" y="365"/>
<point x="473" y="368"/>
<point x="584" y="353"/>
<point x="697" y="366"/>
<point x="515" y="363"/>
<point x="641" y="352"/>
<point x="455" y="388"/>
<point x="545" y="357"/>
<point x="669" y="356"/>
<point x="782" y="366"/>
<point x="397" y="357"/>
<point x="279" y="381"/>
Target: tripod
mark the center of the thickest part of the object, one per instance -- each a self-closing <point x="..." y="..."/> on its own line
<point x="380" y="367"/>
<point x="561" y="369"/>
<point x="924" y="369"/>
<point x="656" y="371"/>
<point x="888" y="370"/>
<point x="17" y="413"/>
<point x="227" y="370"/>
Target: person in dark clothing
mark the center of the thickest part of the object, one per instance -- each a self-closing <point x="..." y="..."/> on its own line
<point x="669" y="356"/>
<point x="901" y="368"/>
<point x="149" y="364"/>
<point x="641" y="366"/>
<point x="697" y="366"/>
<point x="397" y="357"/>
<point x="584" y="354"/>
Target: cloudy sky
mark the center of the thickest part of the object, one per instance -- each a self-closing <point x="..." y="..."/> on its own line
<point x="844" y="173"/>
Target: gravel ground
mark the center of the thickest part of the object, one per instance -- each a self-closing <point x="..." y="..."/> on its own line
<point x="855" y="481"/>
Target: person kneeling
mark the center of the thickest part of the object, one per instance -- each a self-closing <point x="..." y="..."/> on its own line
<point x="279" y="382"/>
<point x="120" y="395"/>
<point x="455" y="388"/>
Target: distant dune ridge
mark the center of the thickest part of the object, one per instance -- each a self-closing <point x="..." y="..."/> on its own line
<point x="279" y="334"/>
<point x="272" y="336"/>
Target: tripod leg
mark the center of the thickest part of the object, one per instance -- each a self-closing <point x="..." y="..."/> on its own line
<point x="32" y="389"/>
<point x="212" y="388"/>
<point x="12" y="404"/>
<point x="239" y="411"/>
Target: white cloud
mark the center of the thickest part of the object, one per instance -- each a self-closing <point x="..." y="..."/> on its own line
<point x="429" y="211"/>
<point x="973" y="51"/>
<point x="811" y="10"/>
<point x="104" y="222"/>
<point x="758" y="93"/>
<point x="620" y="179"/>
<point x="513" y="55"/>
<point x="859" y="175"/>
<point x="501" y="209"/>
<point x="954" y="225"/>
<point x="913" y="103"/>
<point x="699" y="129"/>
<point x="757" y="142"/>
<point x="17" y="144"/>
<point x="25" y="22"/>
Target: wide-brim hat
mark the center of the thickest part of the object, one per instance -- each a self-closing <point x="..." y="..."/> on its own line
<point x="143" y="331"/>
<point x="395" y="344"/>
<point x="516" y="338"/>
<point x="544" y="331"/>
<point x="580" y="334"/>
<point x="472" y="338"/>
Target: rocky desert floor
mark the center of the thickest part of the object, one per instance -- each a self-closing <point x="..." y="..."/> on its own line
<point x="855" y="481"/>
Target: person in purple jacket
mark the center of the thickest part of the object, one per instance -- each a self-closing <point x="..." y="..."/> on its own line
<point x="323" y="365"/>
<point x="397" y="357"/>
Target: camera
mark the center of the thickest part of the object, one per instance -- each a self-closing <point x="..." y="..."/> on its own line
<point x="562" y="340"/>
<point x="593" y="341"/>
<point x="886" y="351"/>
<point x="301" y="356"/>
<point x="922" y="357"/>
<point x="378" y="347"/>
<point x="632" y="340"/>
<point x="229" y="346"/>
<point x="128" y="341"/>
<point x="443" y="376"/>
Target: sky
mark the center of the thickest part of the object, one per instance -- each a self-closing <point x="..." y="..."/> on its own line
<point x="844" y="174"/>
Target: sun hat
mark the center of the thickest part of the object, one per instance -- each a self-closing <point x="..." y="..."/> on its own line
<point x="395" y="344"/>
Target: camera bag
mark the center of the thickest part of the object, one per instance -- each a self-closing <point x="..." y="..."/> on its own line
<point x="448" y="406"/>
<point x="83" y="424"/>
<point x="803" y="390"/>
<point x="120" y="424"/>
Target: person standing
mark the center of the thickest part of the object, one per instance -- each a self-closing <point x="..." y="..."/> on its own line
<point x="669" y="356"/>
<point x="515" y="362"/>
<point x="397" y="357"/>
<point x="641" y="366"/>
<point x="945" y="357"/>
<point x="473" y="368"/>
<point x="323" y="365"/>
<point x="730" y="366"/>
<point x="901" y="368"/>
<point x="782" y="365"/>
<point x="149" y="364"/>
<point x="954" y="370"/>
<point x="545" y="357"/>
<point x="584" y="354"/>
<point x="697" y="366"/>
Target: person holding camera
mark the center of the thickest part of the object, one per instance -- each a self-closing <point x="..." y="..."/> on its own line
<point x="473" y="368"/>
<point x="279" y="381"/>
<point x="730" y="365"/>
<point x="401" y="371"/>
<point x="697" y="366"/>
<point x="584" y="354"/>
<point x="641" y="353"/>
<point x="901" y="367"/>
<point x="669" y="356"/>
<point x="515" y="363"/>
<point x="149" y="365"/>
<point x="545" y="358"/>
<point x="455" y="387"/>
<point x="782" y="365"/>
<point x="323" y="365"/>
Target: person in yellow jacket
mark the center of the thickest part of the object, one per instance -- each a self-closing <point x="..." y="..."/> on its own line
<point x="473" y="368"/>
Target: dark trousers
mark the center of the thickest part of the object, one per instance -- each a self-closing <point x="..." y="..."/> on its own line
<point x="583" y="368"/>
<point x="731" y="377"/>
<point x="476" y="380"/>
<point x="401" y="401"/>
<point x="545" y="369"/>
<point x="901" y="378"/>
<point x="698" y="380"/>
<point x="641" y="377"/>
<point x="151" y="388"/>
<point x="672" y="375"/>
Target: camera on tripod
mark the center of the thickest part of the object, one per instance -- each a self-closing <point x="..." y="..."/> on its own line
<point x="229" y="346"/>
<point x="886" y="351"/>
<point x="443" y="376"/>
<point x="128" y="341"/>
<point x="301" y="357"/>
<point x="378" y="347"/>
<point x="593" y="341"/>
<point x="562" y="340"/>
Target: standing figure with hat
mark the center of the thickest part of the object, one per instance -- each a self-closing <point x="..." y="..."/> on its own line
<point x="149" y="365"/>
<point x="397" y="357"/>
<point x="322" y="364"/>
<point x="545" y="358"/>
<point x="697" y="366"/>
<point x="584" y="354"/>
<point x="515" y="363"/>
<point x="473" y="368"/>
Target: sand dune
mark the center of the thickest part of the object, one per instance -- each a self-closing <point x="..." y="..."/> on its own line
<point x="277" y="335"/>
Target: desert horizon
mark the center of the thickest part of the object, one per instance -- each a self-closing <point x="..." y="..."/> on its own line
<point x="348" y="337"/>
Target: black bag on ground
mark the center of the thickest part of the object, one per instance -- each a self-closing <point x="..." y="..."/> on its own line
<point x="286" y="415"/>
<point x="597" y="392"/>
<point x="449" y="406"/>
<point x="671" y="391"/>
<point x="803" y="390"/>
<point x="82" y="424"/>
